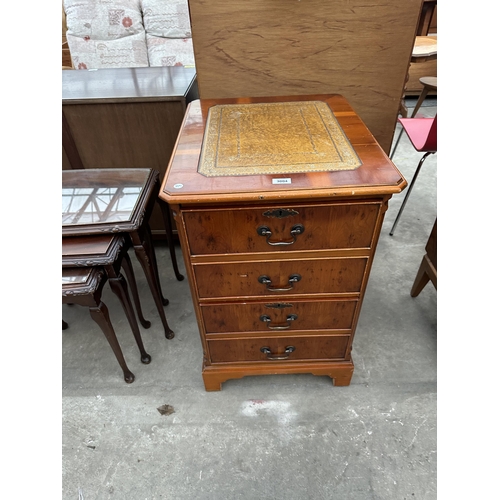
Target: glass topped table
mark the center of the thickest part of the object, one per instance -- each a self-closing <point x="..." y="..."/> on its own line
<point x="104" y="201"/>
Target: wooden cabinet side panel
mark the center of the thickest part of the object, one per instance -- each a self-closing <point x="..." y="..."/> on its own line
<point x="66" y="165"/>
<point x="125" y="135"/>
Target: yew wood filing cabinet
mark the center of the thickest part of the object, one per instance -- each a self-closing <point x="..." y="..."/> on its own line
<point x="279" y="203"/>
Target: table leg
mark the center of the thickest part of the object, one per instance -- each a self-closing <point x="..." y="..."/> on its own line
<point x="143" y="253"/>
<point x="129" y="272"/>
<point x="149" y="247"/>
<point x="119" y="287"/>
<point x="100" y="315"/>
<point x="422" y="278"/>
<point x="421" y="99"/>
<point x="165" y="210"/>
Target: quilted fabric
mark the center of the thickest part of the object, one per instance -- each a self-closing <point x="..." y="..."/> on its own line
<point x="166" y="18"/>
<point x="103" y="19"/>
<point x="127" y="52"/>
<point x="129" y="33"/>
<point x="170" y="51"/>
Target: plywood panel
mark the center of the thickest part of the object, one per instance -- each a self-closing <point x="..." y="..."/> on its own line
<point x="352" y="47"/>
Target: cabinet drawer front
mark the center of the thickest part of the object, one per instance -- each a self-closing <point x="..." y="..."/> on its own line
<point x="341" y="225"/>
<point x="240" y="279"/>
<point x="278" y="349"/>
<point x="279" y="316"/>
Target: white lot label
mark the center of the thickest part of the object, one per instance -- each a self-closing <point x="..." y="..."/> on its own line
<point x="282" y="181"/>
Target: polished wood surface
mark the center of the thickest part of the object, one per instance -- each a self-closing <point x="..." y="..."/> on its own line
<point x="279" y="317"/>
<point x="124" y="118"/>
<point x="306" y="348"/>
<point x="350" y="225"/>
<point x="291" y="277"/>
<point x="183" y="183"/>
<point x="358" y="49"/>
<point x="88" y="251"/>
<point x="278" y="272"/>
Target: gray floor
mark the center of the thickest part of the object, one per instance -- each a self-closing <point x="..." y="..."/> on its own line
<point x="273" y="437"/>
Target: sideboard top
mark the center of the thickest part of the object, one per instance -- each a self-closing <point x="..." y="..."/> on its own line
<point x="370" y="171"/>
<point x="167" y="83"/>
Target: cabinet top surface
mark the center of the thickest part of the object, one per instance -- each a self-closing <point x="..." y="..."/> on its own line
<point x="350" y="164"/>
<point x="126" y="83"/>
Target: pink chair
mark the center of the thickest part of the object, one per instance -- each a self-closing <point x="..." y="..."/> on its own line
<point x="422" y="133"/>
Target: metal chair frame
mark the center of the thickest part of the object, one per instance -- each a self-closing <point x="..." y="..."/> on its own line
<point x="429" y="146"/>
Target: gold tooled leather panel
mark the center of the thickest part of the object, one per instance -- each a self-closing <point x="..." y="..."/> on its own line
<point x="274" y="138"/>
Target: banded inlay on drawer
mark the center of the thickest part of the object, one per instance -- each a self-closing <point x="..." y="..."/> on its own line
<point x="276" y="349"/>
<point x="239" y="279"/>
<point x="279" y="316"/>
<point x="302" y="227"/>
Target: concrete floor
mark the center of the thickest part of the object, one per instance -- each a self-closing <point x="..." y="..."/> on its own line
<point x="263" y="437"/>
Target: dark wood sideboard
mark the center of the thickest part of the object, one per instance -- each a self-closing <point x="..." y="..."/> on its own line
<point x="124" y="118"/>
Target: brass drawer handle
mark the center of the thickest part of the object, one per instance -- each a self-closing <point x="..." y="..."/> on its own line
<point x="289" y="318"/>
<point x="267" y="281"/>
<point x="265" y="231"/>
<point x="288" y="351"/>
